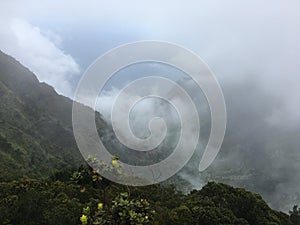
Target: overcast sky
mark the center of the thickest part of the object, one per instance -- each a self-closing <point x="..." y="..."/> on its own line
<point x="58" y="39"/>
<point x="252" y="46"/>
<point x="237" y="39"/>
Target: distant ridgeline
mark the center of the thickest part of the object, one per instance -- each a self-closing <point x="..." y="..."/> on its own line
<point x="36" y="137"/>
<point x="37" y="141"/>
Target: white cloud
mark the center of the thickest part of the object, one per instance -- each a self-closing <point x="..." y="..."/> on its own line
<point x="236" y="39"/>
<point x="40" y="53"/>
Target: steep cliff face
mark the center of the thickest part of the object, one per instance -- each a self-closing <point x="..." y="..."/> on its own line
<point x="36" y="137"/>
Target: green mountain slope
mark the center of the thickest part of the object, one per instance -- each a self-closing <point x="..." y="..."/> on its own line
<point x="36" y="137"/>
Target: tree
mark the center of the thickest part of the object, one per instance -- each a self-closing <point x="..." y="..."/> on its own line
<point x="295" y="215"/>
<point x="122" y="211"/>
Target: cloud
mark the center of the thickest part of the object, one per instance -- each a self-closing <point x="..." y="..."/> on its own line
<point x="235" y="39"/>
<point x="252" y="47"/>
<point x="39" y="51"/>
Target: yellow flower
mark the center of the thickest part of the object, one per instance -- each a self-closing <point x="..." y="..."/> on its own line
<point x="83" y="219"/>
<point x="100" y="206"/>
<point x="114" y="162"/>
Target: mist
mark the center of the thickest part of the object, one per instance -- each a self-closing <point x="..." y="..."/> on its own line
<point x="260" y="151"/>
<point x="252" y="48"/>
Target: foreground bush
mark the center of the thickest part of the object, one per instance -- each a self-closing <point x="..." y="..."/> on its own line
<point x="87" y="198"/>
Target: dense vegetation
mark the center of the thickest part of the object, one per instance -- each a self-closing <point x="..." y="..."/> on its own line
<point x="84" y="197"/>
<point x="36" y="142"/>
<point x="36" y="137"/>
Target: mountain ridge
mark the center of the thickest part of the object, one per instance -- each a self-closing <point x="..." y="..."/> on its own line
<point x="36" y="136"/>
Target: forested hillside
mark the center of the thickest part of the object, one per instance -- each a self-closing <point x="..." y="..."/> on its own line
<point x="40" y="182"/>
<point x="36" y="137"/>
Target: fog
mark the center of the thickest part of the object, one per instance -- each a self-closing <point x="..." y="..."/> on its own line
<point x="261" y="147"/>
<point x="252" y="48"/>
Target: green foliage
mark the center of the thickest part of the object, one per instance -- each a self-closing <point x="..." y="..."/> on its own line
<point x="31" y="202"/>
<point x="219" y="204"/>
<point x="123" y="210"/>
<point x="295" y="211"/>
<point x="295" y="215"/>
<point x="36" y="137"/>
<point x="36" y="140"/>
<point x="85" y="200"/>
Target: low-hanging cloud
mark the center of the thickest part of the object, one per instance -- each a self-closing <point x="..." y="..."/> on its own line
<point x="252" y="46"/>
<point x="40" y="52"/>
